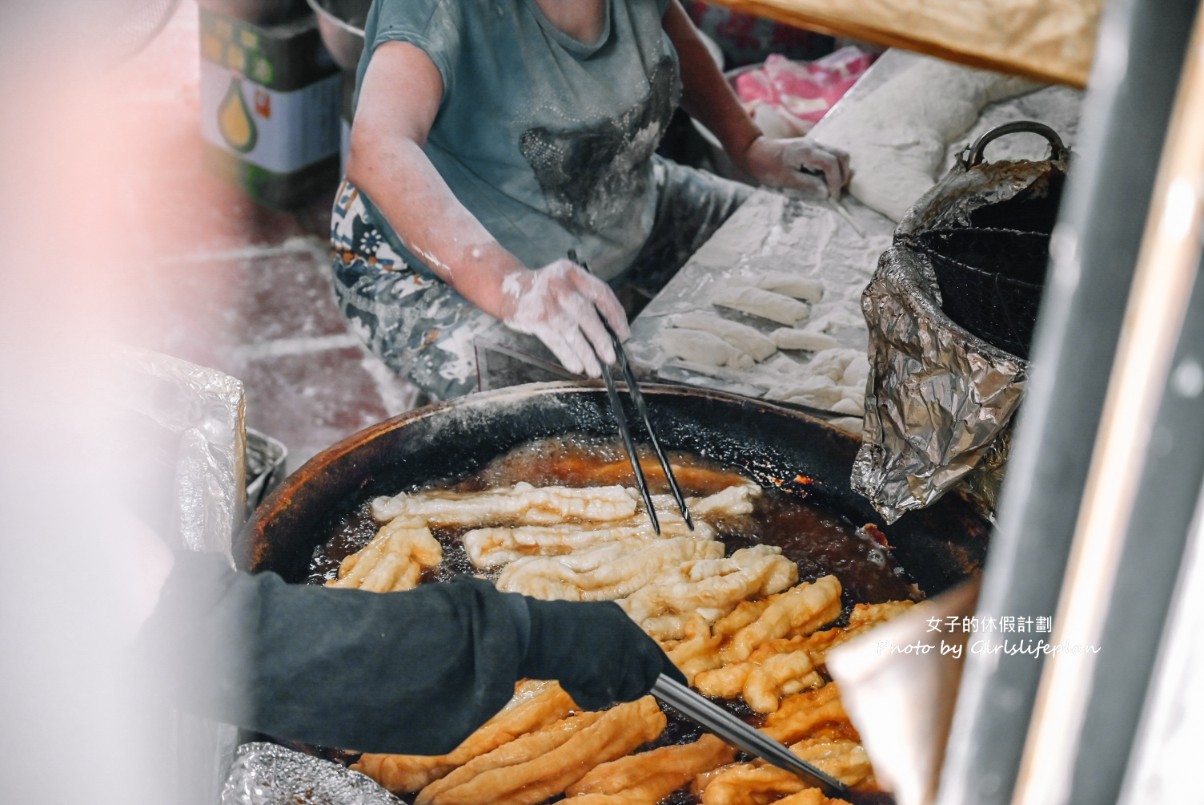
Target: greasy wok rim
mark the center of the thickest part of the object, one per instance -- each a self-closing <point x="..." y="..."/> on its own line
<point x="939" y="546"/>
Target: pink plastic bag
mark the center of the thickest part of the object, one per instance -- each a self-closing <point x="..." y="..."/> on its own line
<point x="800" y="93"/>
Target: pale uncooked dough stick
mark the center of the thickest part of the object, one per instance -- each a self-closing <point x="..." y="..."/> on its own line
<point x="605" y="573"/>
<point x="749" y="339"/>
<point x="807" y="289"/>
<point x="805" y="340"/>
<point x="522" y="503"/>
<point x="699" y="346"/>
<point x="759" y="302"/>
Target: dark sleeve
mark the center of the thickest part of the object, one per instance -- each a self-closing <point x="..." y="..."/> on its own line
<point x="409" y="673"/>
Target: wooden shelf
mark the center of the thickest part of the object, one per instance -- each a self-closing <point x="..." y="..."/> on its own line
<point x="1052" y="41"/>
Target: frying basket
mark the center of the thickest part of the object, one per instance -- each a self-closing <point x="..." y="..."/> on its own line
<point x="991" y="281"/>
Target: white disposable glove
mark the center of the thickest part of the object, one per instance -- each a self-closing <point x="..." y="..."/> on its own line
<point x="562" y="305"/>
<point x="797" y="164"/>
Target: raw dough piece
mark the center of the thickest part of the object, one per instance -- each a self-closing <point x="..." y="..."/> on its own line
<point x="897" y="136"/>
<point x="805" y="340"/>
<point x="522" y="503"/>
<point x="700" y="346"/>
<point x="741" y="336"/>
<point x="766" y="304"/>
<point x="602" y="574"/>
<point x="807" y="289"/>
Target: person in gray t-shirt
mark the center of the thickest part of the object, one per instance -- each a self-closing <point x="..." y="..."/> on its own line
<point x="491" y="138"/>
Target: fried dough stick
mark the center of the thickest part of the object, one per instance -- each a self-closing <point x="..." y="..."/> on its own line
<point x="604" y="573"/>
<point x="393" y="560"/>
<point x="843" y="759"/>
<point x="522" y="504"/>
<point x="710" y="588"/>
<point x="800" y="610"/>
<point x="757" y="784"/>
<point x="588" y="471"/>
<point x="622" y="798"/>
<point x="697" y="651"/>
<point x="862" y="618"/>
<point x="535" y="705"/>
<point x="803" y="713"/>
<point x="763" y="679"/>
<point x="747" y="784"/>
<point x="648" y="777"/>
<point x="533" y="768"/>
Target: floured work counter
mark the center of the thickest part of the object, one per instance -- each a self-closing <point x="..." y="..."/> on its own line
<point x="770" y="306"/>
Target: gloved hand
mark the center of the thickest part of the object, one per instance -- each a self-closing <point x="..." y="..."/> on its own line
<point x="598" y="653"/>
<point x="560" y="304"/>
<point x="797" y="164"/>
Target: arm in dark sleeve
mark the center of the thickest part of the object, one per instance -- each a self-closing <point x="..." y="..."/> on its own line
<point x="410" y="673"/>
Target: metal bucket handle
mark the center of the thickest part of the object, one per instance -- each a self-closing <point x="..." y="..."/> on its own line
<point x="1057" y="150"/>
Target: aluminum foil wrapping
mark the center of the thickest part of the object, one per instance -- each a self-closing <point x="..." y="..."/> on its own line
<point x="939" y="400"/>
<point x="200" y="415"/>
<point x="189" y="422"/>
<point x="270" y="774"/>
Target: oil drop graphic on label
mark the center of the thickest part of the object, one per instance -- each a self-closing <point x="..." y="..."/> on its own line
<point x="234" y="119"/>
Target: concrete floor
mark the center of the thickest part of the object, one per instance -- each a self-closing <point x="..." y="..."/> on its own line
<point x="235" y="286"/>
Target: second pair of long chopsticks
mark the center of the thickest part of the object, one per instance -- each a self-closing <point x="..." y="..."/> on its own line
<point x="641" y="407"/>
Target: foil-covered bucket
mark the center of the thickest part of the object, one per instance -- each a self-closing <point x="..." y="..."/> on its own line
<point x="941" y="395"/>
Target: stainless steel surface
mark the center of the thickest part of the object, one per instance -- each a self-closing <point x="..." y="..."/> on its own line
<point x="341" y="26"/>
<point x="705" y="713"/>
<point x="641" y="407"/>
<point x="616" y="407"/>
<point x="1125" y="120"/>
<point x="633" y="388"/>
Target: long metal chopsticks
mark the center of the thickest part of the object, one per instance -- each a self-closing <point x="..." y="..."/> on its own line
<point x="705" y="713"/>
<point x="641" y="407"/>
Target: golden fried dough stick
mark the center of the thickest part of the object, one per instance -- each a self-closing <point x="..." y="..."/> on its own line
<point x="710" y="588"/>
<point x="535" y="704"/>
<point x="521" y="504"/>
<point x="651" y="776"/>
<point x="489" y="548"/>
<point x="604" y="573"/>
<point x="845" y="760"/>
<point x="862" y="618"/>
<point x="800" y="610"/>
<point x="530" y="771"/>
<point x="749" y="784"/>
<point x="584" y="471"/>
<point x="698" y="651"/>
<point x="746" y="612"/>
<point x="810" y="796"/>
<point x="513" y="754"/>
<point x="623" y="798"/>
<point x="393" y="560"/>
<point x="770" y="673"/>
<point x="799" y="715"/>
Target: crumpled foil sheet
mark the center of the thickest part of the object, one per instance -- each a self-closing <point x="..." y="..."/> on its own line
<point x="199" y="416"/>
<point x="939" y="400"/>
<point x="270" y="774"/>
<point x="203" y="410"/>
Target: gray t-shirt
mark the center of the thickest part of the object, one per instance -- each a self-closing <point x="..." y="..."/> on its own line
<point x="546" y="140"/>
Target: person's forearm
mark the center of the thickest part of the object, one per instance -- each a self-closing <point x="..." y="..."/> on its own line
<point x="431" y="222"/>
<point x="410" y="673"/>
<point x="706" y="94"/>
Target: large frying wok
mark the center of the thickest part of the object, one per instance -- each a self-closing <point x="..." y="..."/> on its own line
<point x="938" y="546"/>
